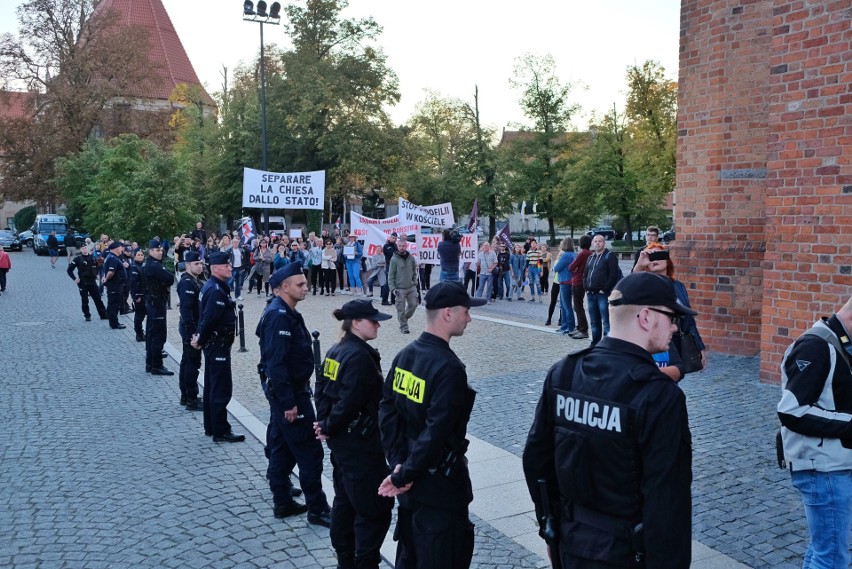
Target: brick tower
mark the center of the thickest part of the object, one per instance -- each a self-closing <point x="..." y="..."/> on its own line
<point x="764" y="180"/>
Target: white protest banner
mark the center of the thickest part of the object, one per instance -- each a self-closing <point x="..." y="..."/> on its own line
<point x="427" y="246"/>
<point x="440" y="215"/>
<point x="271" y="190"/>
<point x="374" y="232"/>
<point x="469" y="248"/>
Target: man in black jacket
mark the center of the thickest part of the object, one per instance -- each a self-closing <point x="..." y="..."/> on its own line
<point x="86" y="280"/>
<point x="158" y="282"/>
<point x="115" y="275"/>
<point x="600" y="277"/>
<point x="189" y="289"/>
<point x="610" y="442"/>
<point x="423" y="415"/>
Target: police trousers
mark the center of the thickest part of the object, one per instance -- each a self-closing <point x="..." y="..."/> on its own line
<point x="295" y="443"/>
<point x="114" y="303"/>
<point x="190" y="363"/>
<point x="90" y="289"/>
<point x="155" y="332"/>
<point x="432" y="538"/>
<point x="139" y="313"/>
<point x="218" y="387"/>
<point x="360" y="518"/>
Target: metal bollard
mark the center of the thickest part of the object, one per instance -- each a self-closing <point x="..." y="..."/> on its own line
<point x="317" y="354"/>
<point x="242" y="325"/>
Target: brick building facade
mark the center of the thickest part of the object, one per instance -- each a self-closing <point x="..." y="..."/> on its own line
<point x="764" y="181"/>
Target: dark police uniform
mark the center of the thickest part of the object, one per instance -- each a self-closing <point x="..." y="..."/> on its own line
<point x="87" y="272"/>
<point x="137" y="295"/>
<point x="348" y="396"/>
<point x="611" y="439"/>
<point x="287" y="358"/>
<point x="216" y="334"/>
<point x="158" y="282"/>
<point x="424" y="413"/>
<point x="188" y="290"/>
<point x="115" y="286"/>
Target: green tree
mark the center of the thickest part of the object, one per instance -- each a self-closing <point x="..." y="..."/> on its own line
<point x="536" y="161"/>
<point x="25" y="218"/>
<point x="652" y="122"/>
<point x="129" y="188"/>
<point x="73" y="58"/>
<point x="331" y="98"/>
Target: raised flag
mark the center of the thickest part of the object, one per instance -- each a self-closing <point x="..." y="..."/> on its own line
<point x="505" y="236"/>
<point x="474" y="217"/>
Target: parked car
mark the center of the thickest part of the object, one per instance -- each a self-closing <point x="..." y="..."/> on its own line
<point x="608" y="233"/>
<point x="668" y="236"/>
<point x="26" y="238"/>
<point x="9" y="241"/>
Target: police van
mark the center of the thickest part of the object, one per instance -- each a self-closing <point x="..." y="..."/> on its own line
<point x="44" y="224"/>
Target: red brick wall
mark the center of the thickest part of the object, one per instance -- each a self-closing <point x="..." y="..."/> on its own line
<point x="764" y="179"/>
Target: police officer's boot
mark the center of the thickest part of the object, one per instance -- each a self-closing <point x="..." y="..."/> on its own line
<point x="346" y="560"/>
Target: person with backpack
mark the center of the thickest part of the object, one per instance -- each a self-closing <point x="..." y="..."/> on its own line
<point x="816" y="417"/>
<point x="600" y="277"/>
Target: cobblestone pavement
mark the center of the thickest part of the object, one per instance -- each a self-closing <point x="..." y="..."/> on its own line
<point x="102" y="468"/>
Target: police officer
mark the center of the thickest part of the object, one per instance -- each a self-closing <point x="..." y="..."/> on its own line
<point x="158" y="282"/>
<point x="114" y="278"/>
<point x="611" y="441"/>
<point x="424" y="412"/>
<point x="137" y="292"/>
<point x="127" y="261"/>
<point x="287" y="362"/>
<point x="348" y="396"/>
<point x="189" y="289"/>
<point x="86" y="280"/>
<point x="215" y="335"/>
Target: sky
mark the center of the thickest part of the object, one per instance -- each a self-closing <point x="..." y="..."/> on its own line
<point x="453" y="46"/>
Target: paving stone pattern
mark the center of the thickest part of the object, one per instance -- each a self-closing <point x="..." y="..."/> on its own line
<point x="102" y="468"/>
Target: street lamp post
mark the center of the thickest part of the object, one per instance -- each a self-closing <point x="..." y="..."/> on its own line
<point x="261" y="16"/>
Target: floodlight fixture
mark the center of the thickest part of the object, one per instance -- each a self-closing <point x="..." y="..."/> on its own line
<point x="248" y="8"/>
<point x="261" y="9"/>
<point x="274" y="11"/>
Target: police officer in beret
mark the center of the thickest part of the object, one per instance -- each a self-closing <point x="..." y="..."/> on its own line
<point x="424" y="412"/>
<point x="137" y="292"/>
<point x="347" y="397"/>
<point x="86" y="281"/>
<point x="611" y="443"/>
<point x="158" y="282"/>
<point x="115" y="275"/>
<point x="189" y="289"/>
<point x="215" y="335"/>
<point x="286" y="362"/>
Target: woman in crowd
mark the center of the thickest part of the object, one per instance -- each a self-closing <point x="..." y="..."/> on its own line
<point x="347" y="401"/>
<point x="340" y="263"/>
<point x="281" y="259"/>
<point x="545" y="268"/>
<point x="329" y="268"/>
<point x="263" y="258"/>
<point x="518" y="262"/>
<point x="670" y="362"/>
<point x="562" y="275"/>
<point x="315" y="262"/>
<point x="578" y="293"/>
